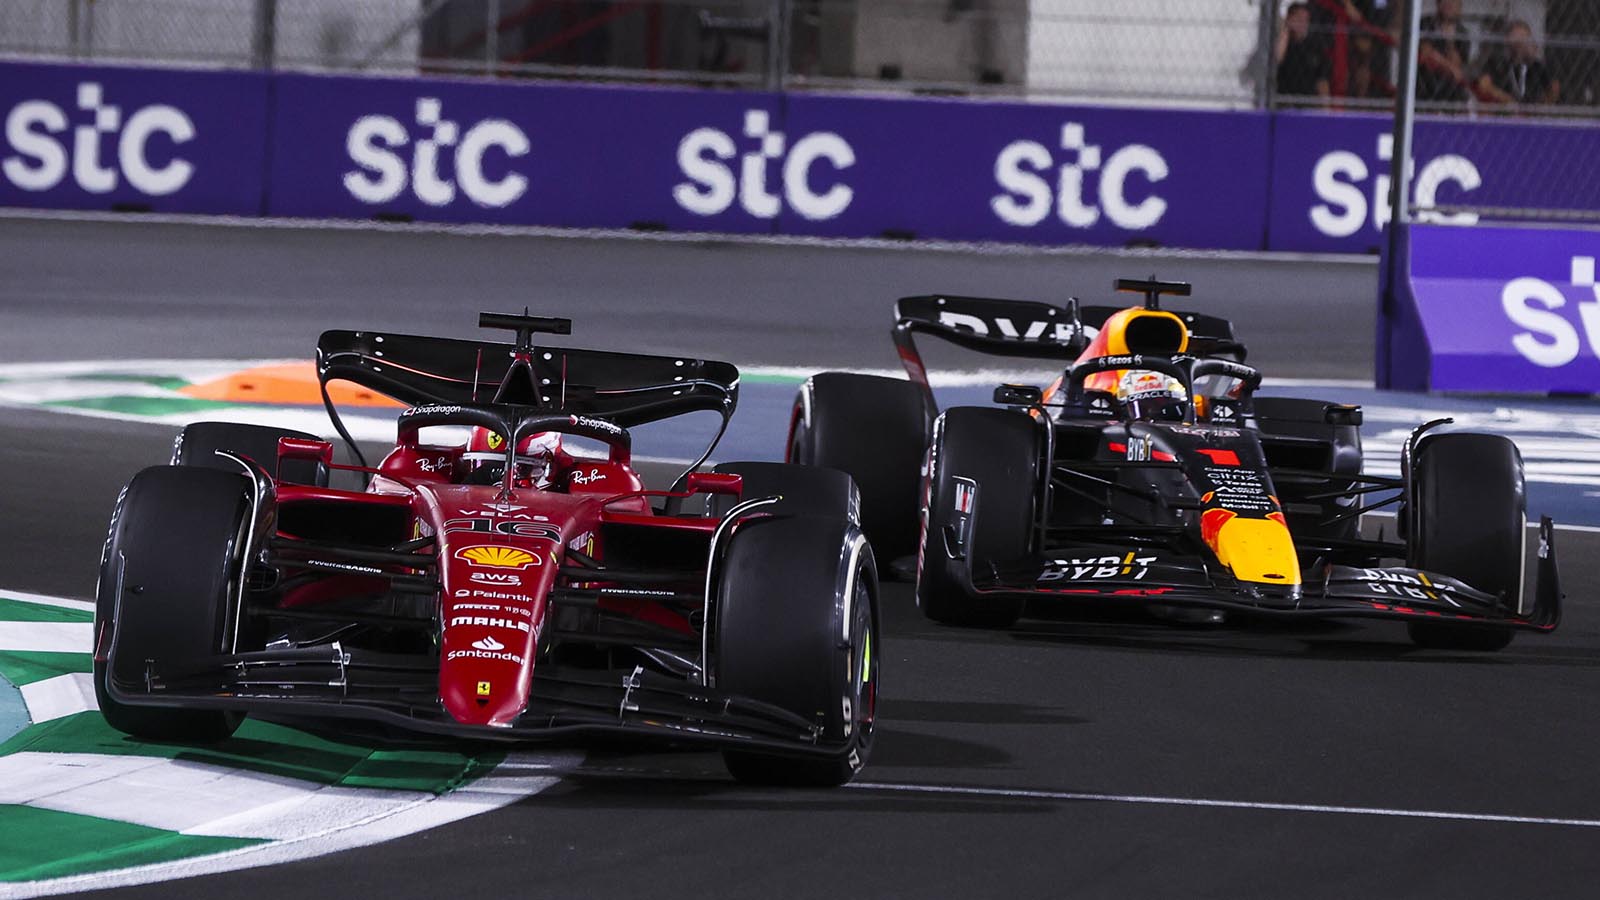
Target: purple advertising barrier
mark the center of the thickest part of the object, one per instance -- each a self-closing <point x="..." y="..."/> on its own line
<point x="1493" y="310"/>
<point x="1023" y="172"/>
<point x="1330" y="174"/>
<point x="105" y="137"/>
<point x="521" y="154"/>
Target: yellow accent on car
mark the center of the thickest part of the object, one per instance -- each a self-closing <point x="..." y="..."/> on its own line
<point x="1259" y="551"/>
<point x="498" y="557"/>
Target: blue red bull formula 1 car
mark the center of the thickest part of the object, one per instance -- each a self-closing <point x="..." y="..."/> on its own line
<point x="1150" y="473"/>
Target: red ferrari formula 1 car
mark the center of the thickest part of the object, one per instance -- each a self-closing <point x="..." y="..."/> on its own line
<point x="497" y="584"/>
<point x="1150" y="473"/>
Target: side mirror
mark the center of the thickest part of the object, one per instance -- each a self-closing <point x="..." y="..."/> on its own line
<point x="1341" y="414"/>
<point x="300" y="448"/>
<point x="1018" y="395"/>
<point x="714" y="483"/>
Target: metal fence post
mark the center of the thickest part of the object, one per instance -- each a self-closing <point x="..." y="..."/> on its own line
<point x="777" y="43"/>
<point x="1267" y="92"/>
<point x="1405" y="120"/>
<point x="491" y="36"/>
<point x="264" y="37"/>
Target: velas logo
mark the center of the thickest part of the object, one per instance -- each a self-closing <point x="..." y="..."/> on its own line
<point x="498" y="557"/>
<point x="437" y="161"/>
<point x="808" y="179"/>
<point x="487" y="642"/>
<point x="109" y="144"/>
<point x="1086" y="183"/>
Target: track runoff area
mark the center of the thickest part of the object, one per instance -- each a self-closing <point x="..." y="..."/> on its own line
<point x="1159" y="746"/>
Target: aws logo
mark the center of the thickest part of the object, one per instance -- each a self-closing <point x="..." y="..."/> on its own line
<point x="498" y="557"/>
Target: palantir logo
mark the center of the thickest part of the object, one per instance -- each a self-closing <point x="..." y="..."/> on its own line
<point x="1548" y="339"/>
<point x="36" y="131"/>
<point x="442" y="159"/>
<point x="1023" y="170"/>
<point x="705" y="154"/>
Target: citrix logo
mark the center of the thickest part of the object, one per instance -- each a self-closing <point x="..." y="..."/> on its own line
<point x="705" y="153"/>
<point x="1549" y="339"/>
<point x="39" y="159"/>
<point x="1022" y="168"/>
<point x="1338" y="176"/>
<point x="373" y="140"/>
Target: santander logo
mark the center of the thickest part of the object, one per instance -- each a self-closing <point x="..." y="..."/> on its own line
<point x="489" y="644"/>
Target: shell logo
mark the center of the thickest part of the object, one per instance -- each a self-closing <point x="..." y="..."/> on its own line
<point x="498" y="557"/>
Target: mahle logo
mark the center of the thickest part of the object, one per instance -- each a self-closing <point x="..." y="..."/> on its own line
<point x="379" y="146"/>
<point x="42" y="152"/>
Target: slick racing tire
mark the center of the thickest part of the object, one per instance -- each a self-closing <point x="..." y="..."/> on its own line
<point x="796" y="626"/>
<point x="166" y="576"/>
<point x="1471" y="523"/>
<point x="998" y="449"/>
<point x="197" y="445"/>
<point x="806" y="490"/>
<point x="876" y="430"/>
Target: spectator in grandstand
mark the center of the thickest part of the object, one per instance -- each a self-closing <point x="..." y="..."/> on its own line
<point x="1302" y="62"/>
<point x="1446" y="45"/>
<point x="1513" y="73"/>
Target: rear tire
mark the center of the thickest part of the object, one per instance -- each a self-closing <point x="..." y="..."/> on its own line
<point x="172" y="557"/>
<point x="1471" y="524"/>
<point x="999" y="450"/>
<point x="875" y="429"/>
<point x="197" y="445"/>
<point x="779" y="639"/>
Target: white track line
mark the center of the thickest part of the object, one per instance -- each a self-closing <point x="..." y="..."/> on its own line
<point x="46" y="637"/>
<point x="1223" y="804"/>
<point x="982" y="248"/>
<point x="331" y="834"/>
<point x="42" y="600"/>
<point x="59" y="697"/>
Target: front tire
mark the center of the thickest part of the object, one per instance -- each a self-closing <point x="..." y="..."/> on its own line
<point x="998" y="450"/>
<point x="875" y="429"/>
<point x="1470" y="524"/>
<point x="197" y="445"/>
<point x="788" y="635"/>
<point x="164" y="598"/>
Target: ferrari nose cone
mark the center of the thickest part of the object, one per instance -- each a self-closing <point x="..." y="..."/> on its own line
<point x="481" y="677"/>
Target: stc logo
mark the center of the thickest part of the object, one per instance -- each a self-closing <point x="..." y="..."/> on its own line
<point x="1022" y="171"/>
<point x="1549" y="339"/>
<point x="1338" y="178"/>
<point x="41" y="152"/>
<point x="705" y="157"/>
<point x="377" y="145"/>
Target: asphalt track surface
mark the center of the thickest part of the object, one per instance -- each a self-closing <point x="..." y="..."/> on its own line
<point x="1025" y="722"/>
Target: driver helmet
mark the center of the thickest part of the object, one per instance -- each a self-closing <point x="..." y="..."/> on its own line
<point x="485" y="456"/>
<point x="1151" y="395"/>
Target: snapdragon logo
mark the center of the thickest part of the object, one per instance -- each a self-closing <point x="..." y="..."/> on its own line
<point x="1023" y="171"/>
<point x="442" y="160"/>
<point x="1548" y="339"/>
<point x="1339" y="179"/>
<point x="706" y="155"/>
<point x="41" y="152"/>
